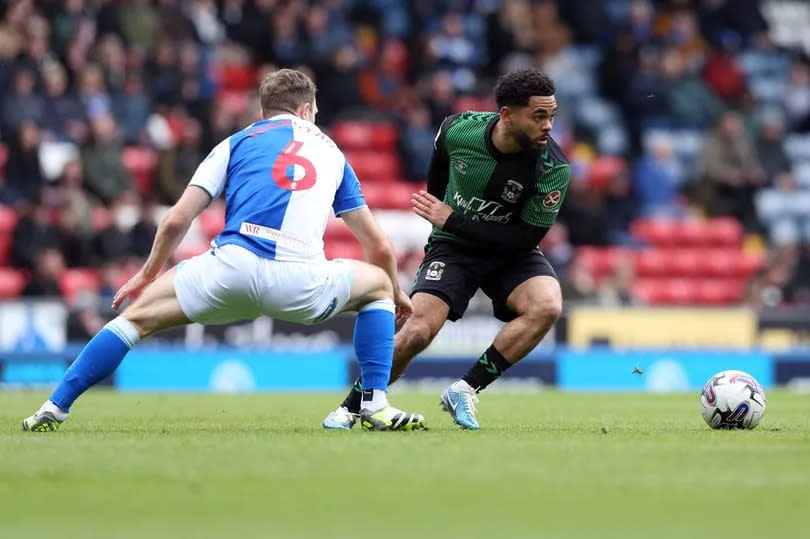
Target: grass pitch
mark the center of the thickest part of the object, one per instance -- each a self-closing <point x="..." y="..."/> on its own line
<point x="546" y="464"/>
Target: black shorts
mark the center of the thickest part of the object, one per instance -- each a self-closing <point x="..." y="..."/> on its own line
<point x="454" y="273"/>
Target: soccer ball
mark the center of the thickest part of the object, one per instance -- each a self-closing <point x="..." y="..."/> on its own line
<point x="732" y="400"/>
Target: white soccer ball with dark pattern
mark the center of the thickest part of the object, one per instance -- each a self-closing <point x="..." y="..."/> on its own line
<point x="732" y="400"/>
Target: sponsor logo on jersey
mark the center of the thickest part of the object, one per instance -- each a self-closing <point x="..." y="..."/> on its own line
<point x="552" y="199"/>
<point x="434" y="271"/>
<point x="483" y="210"/>
<point x="462" y="167"/>
<point x="512" y="191"/>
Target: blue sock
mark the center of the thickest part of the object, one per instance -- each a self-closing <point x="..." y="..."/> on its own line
<point x="99" y="359"/>
<point x="374" y="343"/>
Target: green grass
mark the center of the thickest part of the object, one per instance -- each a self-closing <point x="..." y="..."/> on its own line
<point x="547" y="464"/>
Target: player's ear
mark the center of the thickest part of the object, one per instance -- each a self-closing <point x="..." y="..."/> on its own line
<point x="506" y="116"/>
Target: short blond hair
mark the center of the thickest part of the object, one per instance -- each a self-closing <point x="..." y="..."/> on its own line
<point x="286" y="90"/>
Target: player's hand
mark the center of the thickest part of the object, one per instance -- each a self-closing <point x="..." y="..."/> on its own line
<point x="430" y="208"/>
<point x="136" y="283"/>
<point x="404" y="308"/>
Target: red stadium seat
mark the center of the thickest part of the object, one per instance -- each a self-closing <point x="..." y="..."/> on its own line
<point x="655" y="231"/>
<point x="336" y="230"/>
<point x="141" y="163"/>
<point x="720" y="262"/>
<point x="724" y="231"/>
<point x="351" y="135"/>
<point x="6" y="241"/>
<point x="384" y="136"/>
<point x="718" y="291"/>
<point x="12" y="283"/>
<point x="691" y="233"/>
<point x="685" y="263"/>
<point x="374" y="167"/>
<point x="8" y="219"/>
<point x="665" y="291"/>
<point x="649" y="291"/>
<point x="389" y="196"/>
<point x="76" y="280"/>
<point x="212" y="219"/>
<point x="652" y="263"/>
<point x="343" y="249"/>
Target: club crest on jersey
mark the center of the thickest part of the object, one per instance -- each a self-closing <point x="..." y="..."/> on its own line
<point x="462" y="167"/>
<point x="434" y="271"/>
<point x="552" y="199"/>
<point x="512" y="191"/>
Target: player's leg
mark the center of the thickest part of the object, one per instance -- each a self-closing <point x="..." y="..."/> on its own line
<point x="429" y="315"/>
<point x="372" y="296"/>
<point x="526" y="294"/>
<point x="156" y="309"/>
<point x="445" y="282"/>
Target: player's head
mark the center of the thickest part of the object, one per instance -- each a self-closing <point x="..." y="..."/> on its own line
<point x="527" y="105"/>
<point x="288" y="91"/>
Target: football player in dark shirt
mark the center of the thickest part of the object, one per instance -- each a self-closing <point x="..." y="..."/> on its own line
<point x="495" y="186"/>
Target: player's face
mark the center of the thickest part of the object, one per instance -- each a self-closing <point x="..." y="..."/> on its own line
<point x="531" y="125"/>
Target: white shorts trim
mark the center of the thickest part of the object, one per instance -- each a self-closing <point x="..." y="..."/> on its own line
<point x="230" y="283"/>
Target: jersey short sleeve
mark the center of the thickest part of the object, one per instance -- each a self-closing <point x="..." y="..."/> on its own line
<point x="212" y="173"/>
<point x="541" y="210"/>
<point x="348" y="196"/>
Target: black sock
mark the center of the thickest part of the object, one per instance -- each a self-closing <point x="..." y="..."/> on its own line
<point x="487" y="369"/>
<point x="354" y="398"/>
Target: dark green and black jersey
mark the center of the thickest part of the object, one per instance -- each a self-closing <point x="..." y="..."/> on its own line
<point x="489" y="187"/>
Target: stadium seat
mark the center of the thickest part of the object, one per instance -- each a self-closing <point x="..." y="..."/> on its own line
<point x="343" y="249"/>
<point x="3" y="160"/>
<point x="12" y="283"/>
<point x="691" y="233"/>
<point x="355" y="135"/>
<point x="720" y="262"/>
<point x="336" y="230"/>
<point x="352" y="135"/>
<point x="76" y="280"/>
<point x="724" y="231"/>
<point x="685" y="263"/>
<point x="141" y="163"/>
<point x="8" y="219"/>
<point x="384" y="136"/>
<point x="652" y="263"/>
<point x="372" y="166"/>
<point x="655" y="231"/>
<point x="718" y="291"/>
<point x="389" y="196"/>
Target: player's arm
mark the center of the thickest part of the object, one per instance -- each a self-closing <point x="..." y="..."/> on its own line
<point x="439" y="171"/>
<point x="377" y="249"/>
<point x="522" y="236"/>
<point x="350" y="205"/>
<point x="206" y="185"/>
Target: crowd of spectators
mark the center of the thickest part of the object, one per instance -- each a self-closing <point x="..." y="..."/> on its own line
<point x="668" y="109"/>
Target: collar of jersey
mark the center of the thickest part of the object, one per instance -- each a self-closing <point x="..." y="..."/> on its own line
<point x="288" y="116"/>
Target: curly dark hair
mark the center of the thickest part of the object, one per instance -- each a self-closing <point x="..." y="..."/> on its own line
<point x="515" y="88"/>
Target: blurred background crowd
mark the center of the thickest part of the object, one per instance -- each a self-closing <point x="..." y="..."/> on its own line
<point x="687" y="124"/>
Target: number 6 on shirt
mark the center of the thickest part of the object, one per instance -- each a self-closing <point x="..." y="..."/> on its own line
<point x="284" y="170"/>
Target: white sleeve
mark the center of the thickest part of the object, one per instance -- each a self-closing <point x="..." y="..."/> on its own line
<point x="212" y="173"/>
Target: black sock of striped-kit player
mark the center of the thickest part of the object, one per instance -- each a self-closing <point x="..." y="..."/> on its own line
<point x="487" y="369"/>
<point x="354" y="398"/>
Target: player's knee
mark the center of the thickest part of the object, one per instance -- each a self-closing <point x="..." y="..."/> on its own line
<point x="416" y="335"/>
<point x="138" y="317"/>
<point x="544" y="313"/>
<point x="383" y="288"/>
